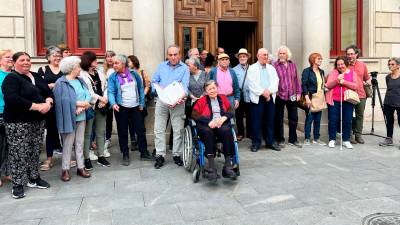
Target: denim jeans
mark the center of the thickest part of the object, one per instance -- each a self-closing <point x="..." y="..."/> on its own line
<point x="334" y="118"/>
<point x="314" y="119"/>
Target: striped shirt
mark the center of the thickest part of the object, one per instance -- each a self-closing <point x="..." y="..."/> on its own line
<point x="289" y="83"/>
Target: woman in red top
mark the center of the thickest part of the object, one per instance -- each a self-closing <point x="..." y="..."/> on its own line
<point x="339" y="80"/>
<point x="212" y="113"/>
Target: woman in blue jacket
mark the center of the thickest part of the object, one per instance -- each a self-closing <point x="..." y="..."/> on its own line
<point x="72" y="99"/>
<point x="313" y="85"/>
<point x="126" y="97"/>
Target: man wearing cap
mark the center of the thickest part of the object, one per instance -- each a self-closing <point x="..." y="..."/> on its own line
<point x="244" y="106"/>
<point x="263" y="84"/>
<point x="168" y="72"/>
<point x="227" y="80"/>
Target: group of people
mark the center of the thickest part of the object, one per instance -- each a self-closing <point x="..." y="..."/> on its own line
<point x="75" y="100"/>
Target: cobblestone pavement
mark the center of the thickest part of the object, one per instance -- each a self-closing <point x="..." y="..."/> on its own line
<point x="312" y="185"/>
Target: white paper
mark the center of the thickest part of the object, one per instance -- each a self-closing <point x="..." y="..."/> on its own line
<point x="171" y="93"/>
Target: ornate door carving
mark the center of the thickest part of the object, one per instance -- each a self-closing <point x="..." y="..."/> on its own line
<point x="194" y="8"/>
<point x="234" y="9"/>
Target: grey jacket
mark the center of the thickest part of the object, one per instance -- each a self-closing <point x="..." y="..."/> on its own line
<point x="65" y="105"/>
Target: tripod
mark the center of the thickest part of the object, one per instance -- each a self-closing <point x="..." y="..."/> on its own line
<point x="375" y="90"/>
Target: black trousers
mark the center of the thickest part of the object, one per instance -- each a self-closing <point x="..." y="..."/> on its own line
<point x="224" y="134"/>
<point x="243" y="111"/>
<point x="292" y="117"/>
<point x="109" y="121"/>
<point x="125" y="117"/>
<point x="389" y="114"/>
<point x="52" y="136"/>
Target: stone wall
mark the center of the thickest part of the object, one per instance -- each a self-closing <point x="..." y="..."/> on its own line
<point x="119" y="26"/>
<point x="16" y="22"/>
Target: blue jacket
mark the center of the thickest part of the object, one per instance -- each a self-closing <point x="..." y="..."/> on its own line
<point x="114" y="89"/>
<point x="235" y="82"/>
<point x="65" y="104"/>
<point x="309" y="81"/>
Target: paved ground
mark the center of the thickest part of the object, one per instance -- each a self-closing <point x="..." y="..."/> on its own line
<point x="314" y="185"/>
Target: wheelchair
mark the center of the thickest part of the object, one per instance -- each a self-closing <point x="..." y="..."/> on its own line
<point x="194" y="159"/>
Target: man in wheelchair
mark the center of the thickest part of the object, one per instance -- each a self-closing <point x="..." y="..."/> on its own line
<point x="212" y="114"/>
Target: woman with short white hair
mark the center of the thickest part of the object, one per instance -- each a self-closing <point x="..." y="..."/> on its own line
<point x="72" y="99"/>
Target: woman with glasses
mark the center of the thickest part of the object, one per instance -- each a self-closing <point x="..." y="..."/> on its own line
<point x="51" y="73"/>
<point x="392" y="99"/>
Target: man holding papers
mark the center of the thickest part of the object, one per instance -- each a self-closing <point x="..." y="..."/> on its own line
<point x="170" y="81"/>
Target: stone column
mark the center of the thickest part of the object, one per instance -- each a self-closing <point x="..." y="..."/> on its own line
<point x="316" y="30"/>
<point x="316" y="38"/>
<point x="148" y="33"/>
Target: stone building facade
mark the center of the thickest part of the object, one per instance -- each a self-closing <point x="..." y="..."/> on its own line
<point x="147" y="27"/>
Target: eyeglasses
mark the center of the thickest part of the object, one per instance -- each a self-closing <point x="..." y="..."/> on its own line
<point x="391" y="64"/>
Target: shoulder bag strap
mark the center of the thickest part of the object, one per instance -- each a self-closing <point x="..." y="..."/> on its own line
<point x="245" y="76"/>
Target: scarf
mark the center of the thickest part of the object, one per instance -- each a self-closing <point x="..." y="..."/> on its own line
<point x="122" y="76"/>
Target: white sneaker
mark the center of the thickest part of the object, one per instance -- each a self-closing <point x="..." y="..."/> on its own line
<point x="307" y="142"/>
<point x="317" y="141"/>
<point x="92" y="155"/>
<point x="347" y="144"/>
<point x="106" y="153"/>
<point x="107" y="144"/>
<point x="331" y="144"/>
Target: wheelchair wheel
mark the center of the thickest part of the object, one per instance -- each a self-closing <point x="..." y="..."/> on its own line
<point x="196" y="175"/>
<point x="187" y="148"/>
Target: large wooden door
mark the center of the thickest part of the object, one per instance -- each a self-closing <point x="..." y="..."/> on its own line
<point x="194" y="34"/>
<point x="194" y="18"/>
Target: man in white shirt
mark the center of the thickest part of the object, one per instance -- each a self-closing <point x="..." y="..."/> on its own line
<point x="263" y="84"/>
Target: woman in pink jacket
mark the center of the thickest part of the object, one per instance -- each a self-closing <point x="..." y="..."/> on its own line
<point x="339" y="80"/>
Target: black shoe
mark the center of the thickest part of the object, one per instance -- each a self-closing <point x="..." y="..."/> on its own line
<point x="18" y="192"/>
<point x="228" y="172"/>
<point x="178" y="161"/>
<point x="125" y="160"/>
<point x="134" y="146"/>
<point x="145" y="156"/>
<point x="254" y="148"/>
<point x="38" y="183"/>
<point x="103" y="161"/>
<point x="88" y="165"/>
<point x="159" y="162"/>
<point x="295" y="144"/>
<point x="273" y="147"/>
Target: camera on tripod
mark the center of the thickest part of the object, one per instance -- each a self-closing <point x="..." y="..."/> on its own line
<point x="374" y="76"/>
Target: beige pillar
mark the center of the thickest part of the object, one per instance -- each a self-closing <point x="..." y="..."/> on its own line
<point x="316" y="30"/>
<point x="148" y="33"/>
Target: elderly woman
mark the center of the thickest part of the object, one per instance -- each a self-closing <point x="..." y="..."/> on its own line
<point x="392" y="99"/>
<point x="27" y="99"/>
<point x="96" y="83"/>
<point x="51" y="73"/>
<point x="312" y="85"/>
<point x="107" y="69"/>
<point x="5" y="68"/>
<point x="212" y="114"/>
<point x="340" y="80"/>
<point x="72" y="99"/>
<point x="196" y="83"/>
<point x="126" y="96"/>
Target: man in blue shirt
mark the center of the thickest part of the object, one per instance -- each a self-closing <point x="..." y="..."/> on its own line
<point x="168" y="72"/>
<point x="244" y="105"/>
